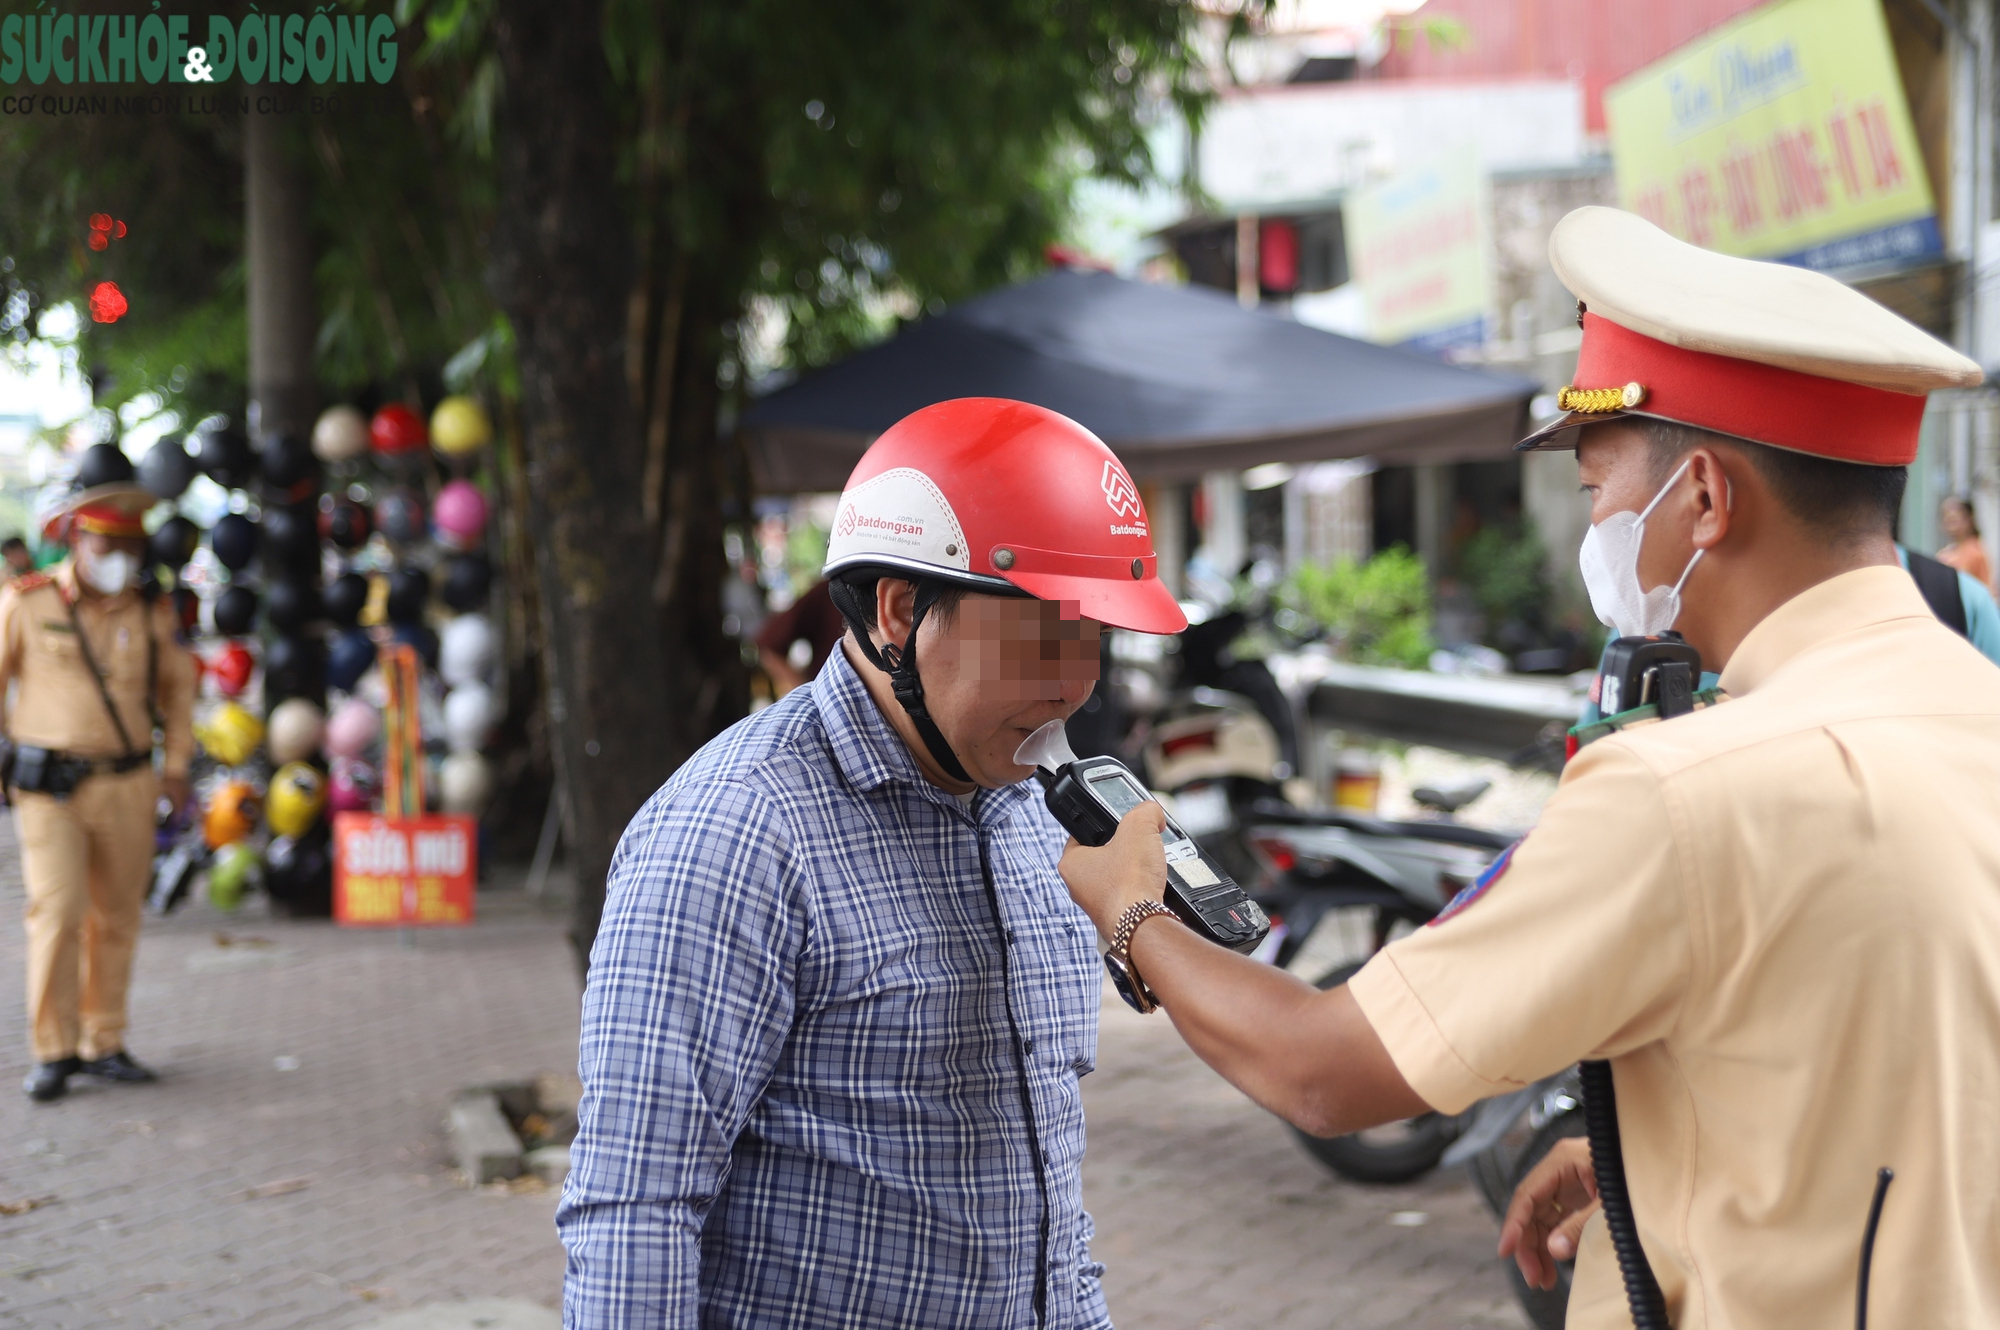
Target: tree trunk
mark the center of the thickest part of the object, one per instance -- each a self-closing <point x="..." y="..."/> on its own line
<point x="618" y="403"/>
<point x="282" y="320"/>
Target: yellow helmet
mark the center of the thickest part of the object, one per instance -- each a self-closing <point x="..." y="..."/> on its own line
<point x="230" y="734"/>
<point x="459" y="426"/>
<point x="297" y="798"/>
<point x="231" y="813"/>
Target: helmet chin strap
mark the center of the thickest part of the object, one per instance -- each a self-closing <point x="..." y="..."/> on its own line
<point x="900" y="664"/>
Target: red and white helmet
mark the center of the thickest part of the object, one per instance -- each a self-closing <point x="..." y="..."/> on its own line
<point x="1002" y="496"/>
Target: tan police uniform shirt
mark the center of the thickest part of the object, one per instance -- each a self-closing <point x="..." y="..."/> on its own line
<point x="58" y="706"/>
<point x="1780" y="918"/>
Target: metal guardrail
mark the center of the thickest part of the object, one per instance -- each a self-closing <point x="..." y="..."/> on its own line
<point x="1487" y="717"/>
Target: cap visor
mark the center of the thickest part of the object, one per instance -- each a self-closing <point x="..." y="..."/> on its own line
<point x="1142" y="607"/>
<point x="1547" y="436"/>
<point x="125" y="497"/>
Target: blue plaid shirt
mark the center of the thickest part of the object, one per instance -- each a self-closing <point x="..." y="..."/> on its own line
<point x="831" y="1044"/>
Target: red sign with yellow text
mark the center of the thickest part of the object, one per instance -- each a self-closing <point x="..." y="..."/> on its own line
<point x="402" y="871"/>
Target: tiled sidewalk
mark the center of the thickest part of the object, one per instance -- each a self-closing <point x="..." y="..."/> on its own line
<point x="291" y="1169"/>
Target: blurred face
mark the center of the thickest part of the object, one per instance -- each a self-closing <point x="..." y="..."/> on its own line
<point x="1957" y="523"/>
<point x="1002" y="668"/>
<point x="107" y="564"/>
<point x="19" y="559"/>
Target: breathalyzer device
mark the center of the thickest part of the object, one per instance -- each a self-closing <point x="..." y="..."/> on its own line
<point x="1090" y="795"/>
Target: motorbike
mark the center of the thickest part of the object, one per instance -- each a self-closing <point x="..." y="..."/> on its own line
<point x="1346" y="884"/>
<point x="1502" y="1140"/>
<point x="180" y="852"/>
<point x="1338" y="885"/>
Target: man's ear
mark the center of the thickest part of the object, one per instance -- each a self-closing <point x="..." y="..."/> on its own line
<point x="1713" y="490"/>
<point x="895" y="603"/>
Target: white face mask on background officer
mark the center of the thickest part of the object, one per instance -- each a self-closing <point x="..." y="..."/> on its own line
<point x="104" y="565"/>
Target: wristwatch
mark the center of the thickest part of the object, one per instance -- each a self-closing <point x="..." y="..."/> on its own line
<point x="1118" y="959"/>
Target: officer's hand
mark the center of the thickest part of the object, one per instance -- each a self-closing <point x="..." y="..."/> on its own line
<point x="1132" y="867"/>
<point x="1548" y="1212"/>
<point x="177" y="790"/>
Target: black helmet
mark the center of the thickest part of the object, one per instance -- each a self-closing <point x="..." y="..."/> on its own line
<point x="234" y="540"/>
<point x="223" y="454"/>
<point x="290" y="604"/>
<point x="236" y="611"/>
<point x="174" y="541"/>
<point x="166" y="469"/>
<point x="346" y="596"/>
<point x="291" y="537"/>
<point x="286" y="459"/>
<point x="104" y="464"/>
<point x="467" y="580"/>
<point x="409" y="591"/>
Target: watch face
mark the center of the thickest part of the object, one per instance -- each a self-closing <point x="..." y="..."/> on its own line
<point x="1127" y="985"/>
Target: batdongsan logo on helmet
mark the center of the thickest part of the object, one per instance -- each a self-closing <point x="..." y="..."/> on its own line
<point x="1123" y="497"/>
<point x="1120" y="493"/>
<point x="900" y="512"/>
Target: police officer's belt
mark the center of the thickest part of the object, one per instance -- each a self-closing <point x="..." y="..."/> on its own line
<point x="48" y="771"/>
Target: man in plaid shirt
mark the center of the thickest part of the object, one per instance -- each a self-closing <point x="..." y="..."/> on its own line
<point x="840" y="1000"/>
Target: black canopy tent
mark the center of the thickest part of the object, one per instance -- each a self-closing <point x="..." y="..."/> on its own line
<point x="1177" y="380"/>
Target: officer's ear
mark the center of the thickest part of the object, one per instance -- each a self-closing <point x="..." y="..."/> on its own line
<point x="895" y="605"/>
<point x="1712" y="490"/>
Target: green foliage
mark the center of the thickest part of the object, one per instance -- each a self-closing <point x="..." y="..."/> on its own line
<point x="1504" y="566"/>
<point x="831" y="166"/>
<point x="1377" y="613"/>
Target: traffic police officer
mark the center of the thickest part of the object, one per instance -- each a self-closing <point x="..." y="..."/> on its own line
<point x="1779" y="917"/>
<point x="96" y="662"/>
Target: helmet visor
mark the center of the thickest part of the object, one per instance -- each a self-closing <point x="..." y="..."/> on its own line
<point x="1141" y="606"/>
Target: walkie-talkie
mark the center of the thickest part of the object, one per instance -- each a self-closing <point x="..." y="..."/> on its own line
<point x="1663" y="671"/>
<point x="1090" y="795"/>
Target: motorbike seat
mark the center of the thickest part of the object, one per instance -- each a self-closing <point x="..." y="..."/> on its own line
<point x="1450" y="798"/>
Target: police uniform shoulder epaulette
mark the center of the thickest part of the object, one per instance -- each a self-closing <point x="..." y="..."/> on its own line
<point x="27" y="582"/>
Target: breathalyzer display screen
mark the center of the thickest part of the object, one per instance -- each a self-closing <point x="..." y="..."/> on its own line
<point x="1120" y="795"/>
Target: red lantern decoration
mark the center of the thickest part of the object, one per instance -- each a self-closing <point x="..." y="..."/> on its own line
<point x="107" y="303"/>
<point x="397" y="429"/>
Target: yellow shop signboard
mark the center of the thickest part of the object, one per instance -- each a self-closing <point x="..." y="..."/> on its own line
<point x="1783" y="135"/>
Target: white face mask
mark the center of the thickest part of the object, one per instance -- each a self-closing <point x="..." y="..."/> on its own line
<point x="1609" y="560"/>
<point x="107" y="574"/>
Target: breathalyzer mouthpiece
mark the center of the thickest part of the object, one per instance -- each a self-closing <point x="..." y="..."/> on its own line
<point x="1047" y="749"/>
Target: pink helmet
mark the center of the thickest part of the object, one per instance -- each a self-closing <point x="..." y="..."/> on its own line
<point x="459" y="515"/>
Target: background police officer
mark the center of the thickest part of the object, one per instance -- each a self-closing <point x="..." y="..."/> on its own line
<point x="1777" y="918"/>
<point x="96" y="661"/>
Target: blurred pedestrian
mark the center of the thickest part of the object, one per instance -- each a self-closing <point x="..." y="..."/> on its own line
<point x="1964" y="551"/>
<point x="17" y="558"/>
<point x="810" y="619"/>
<point x="100" y="672"/>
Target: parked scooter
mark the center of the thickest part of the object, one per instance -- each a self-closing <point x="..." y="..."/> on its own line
<point x="1502" y="1140"/>
<point x="1371" y="880"/>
